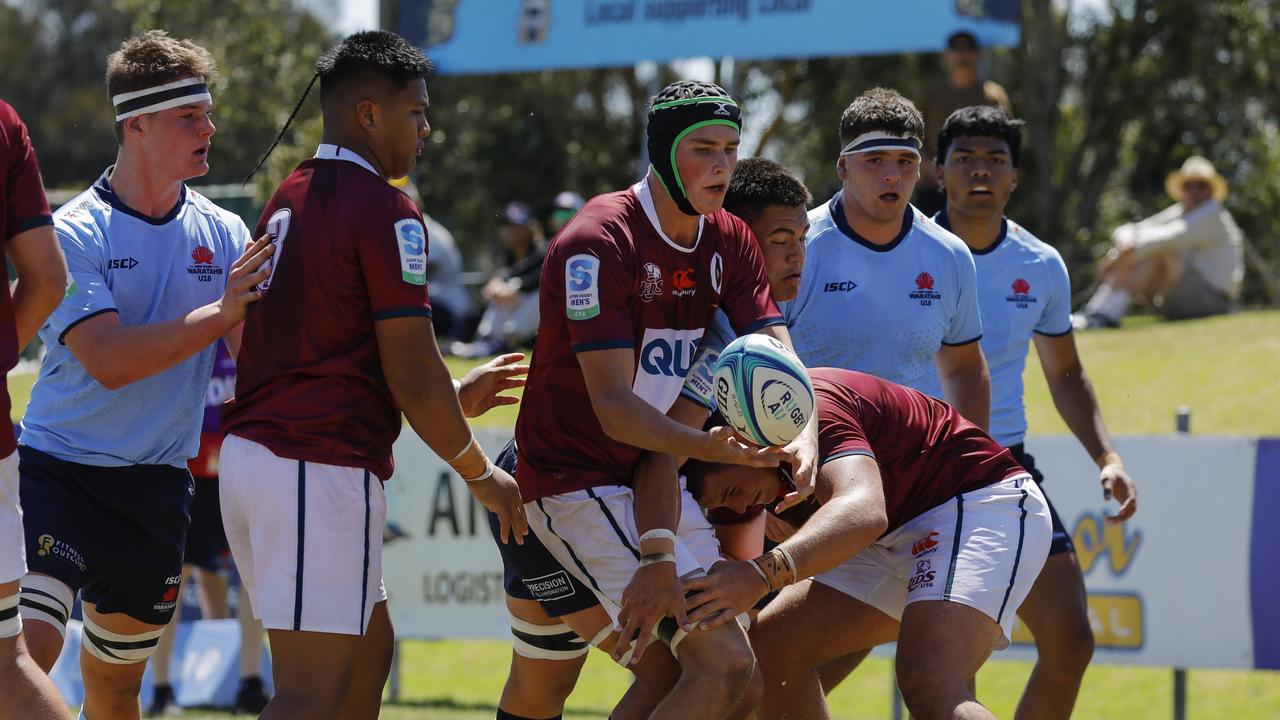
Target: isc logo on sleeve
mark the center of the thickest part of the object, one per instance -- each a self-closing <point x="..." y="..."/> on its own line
<point x="411" y="239"/>
<point x="582" y="287"/>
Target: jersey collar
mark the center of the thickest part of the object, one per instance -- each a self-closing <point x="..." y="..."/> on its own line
<point x="329" y="151"/>
<point x="102" y="187"/>
<point x="836" y="206"/>
<point x="641" y="189"/>
<point x="945" y="224"/>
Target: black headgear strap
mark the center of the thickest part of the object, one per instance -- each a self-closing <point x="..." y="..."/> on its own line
<point x="670" y="122"/>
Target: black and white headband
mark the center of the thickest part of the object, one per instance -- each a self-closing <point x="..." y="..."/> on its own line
<point x="161" y="97"/>
<point x="879" y="140"/>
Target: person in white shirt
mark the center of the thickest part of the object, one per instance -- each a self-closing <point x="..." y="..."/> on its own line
<point x="1186" y="260"/>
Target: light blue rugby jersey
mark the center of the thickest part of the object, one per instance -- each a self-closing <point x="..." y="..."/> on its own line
<point x="149" y="271"/>
<point x="1022" y="289"/>
<point x="882" y="309"/>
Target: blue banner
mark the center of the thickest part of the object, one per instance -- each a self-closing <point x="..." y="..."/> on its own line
<point x="484" y="36"/>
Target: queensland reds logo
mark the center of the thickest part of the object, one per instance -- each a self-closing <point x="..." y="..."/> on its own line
<point x="652" y="285"/>
<point x="202" y="255"/>
<point x="1021" y="287"/>
<point x="924" y="281"/>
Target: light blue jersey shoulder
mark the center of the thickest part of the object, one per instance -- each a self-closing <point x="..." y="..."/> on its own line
<point x="1023" y="289"/>
<point x="698" y="385"/>
<point x="882" y="309"/>
<point x="147" y="270"/>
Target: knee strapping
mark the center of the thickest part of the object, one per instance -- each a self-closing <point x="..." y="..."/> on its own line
<point x="10" y="618"/>
<point x="46" y="599"/>
<point x="546" y="642"/>
<point x="116" y="648"/>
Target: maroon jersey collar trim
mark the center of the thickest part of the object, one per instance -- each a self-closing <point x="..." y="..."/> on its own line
<point x="329" y="151"/>
<point x="645" y="196"/>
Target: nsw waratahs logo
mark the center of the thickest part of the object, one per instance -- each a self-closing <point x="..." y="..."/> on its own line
<point x="202" y="265"/>
<point x="924" y="291"/>
<point x="1021" y="296"/>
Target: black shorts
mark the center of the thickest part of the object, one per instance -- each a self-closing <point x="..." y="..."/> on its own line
<point x="115" y="534"/>
<point x="207" y="546"/>
<point x="530" y="572"/>
<point x="1062" y="542"/>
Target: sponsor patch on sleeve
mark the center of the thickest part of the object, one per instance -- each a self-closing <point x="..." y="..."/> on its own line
<point x="582" y="287"/>
<point x="411" y="240"/>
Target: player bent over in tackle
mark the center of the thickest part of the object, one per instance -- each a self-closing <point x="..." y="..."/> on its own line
<point x="922" y="529"/>
<point x="628" y="288"/>
<point x="340" y="346"/>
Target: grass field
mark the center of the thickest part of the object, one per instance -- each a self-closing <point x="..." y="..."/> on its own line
<point x="1224" y="368"/>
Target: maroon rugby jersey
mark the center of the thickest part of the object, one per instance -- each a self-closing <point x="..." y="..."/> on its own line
<point x="612" y="280"/>
<point x="927" y="452"/>
<point x="350" y="250"/>
<point x="23" y="208"/>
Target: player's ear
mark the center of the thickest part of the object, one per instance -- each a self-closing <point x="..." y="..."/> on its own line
<point x="841" y="170"/>
<point x="1014" y="186"/>
<point x="367" y="114"/>
<point x="134" y="126"/>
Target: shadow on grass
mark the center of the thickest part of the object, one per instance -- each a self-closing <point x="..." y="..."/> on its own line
<point x="486" y="707"/>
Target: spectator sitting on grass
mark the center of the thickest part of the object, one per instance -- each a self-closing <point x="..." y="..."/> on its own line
<point x="1186" y="261"/>
<point x="511" y="318"/>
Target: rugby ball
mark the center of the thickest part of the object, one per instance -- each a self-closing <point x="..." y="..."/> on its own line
<point x="763" y="390"/>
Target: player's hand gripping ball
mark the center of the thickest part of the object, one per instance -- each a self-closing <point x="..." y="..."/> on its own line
<point x="763" y="390"/>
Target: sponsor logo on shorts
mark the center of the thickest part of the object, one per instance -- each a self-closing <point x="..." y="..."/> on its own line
<point x="411" y="240"/>
<point x="924" y="575"/>
<point x="652" y="285"/>
<point x="1021" y="296"/>
<point x="550" y="587"/>
<point x="840" y="286"/>
<point x="924" y="291"/>
<point x="582" y="287"/>
<point x="683" y="283"/>
<point x="49" y="546"/>
<point x="925" y="545"/>
<point x="169" y="599"/>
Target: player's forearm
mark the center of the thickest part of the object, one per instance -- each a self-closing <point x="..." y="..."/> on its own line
<point x="1077" y="404"/>
<point x="628" y="419"/>
<point x="33" y="301"/>
<point x="968" y="389"/>
<point x="123" y="354"/>
<point x="430" y="404"/>
<point x="656" y="488"/>
<point x="838" y="530"/>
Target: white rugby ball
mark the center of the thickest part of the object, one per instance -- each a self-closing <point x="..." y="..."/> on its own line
<point x="763" y="390"/>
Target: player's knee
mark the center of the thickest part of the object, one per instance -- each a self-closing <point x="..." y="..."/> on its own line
<point x="728" y="661"/>
<point x="542" y="681"/>
<point x="1068" y="646"/>
<point x="928" y="689"/>
<point x="119" y="648"/>
<point x="313" y="704"/>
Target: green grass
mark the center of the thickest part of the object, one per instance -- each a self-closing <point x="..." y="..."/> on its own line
<point x="1223" y="368"/>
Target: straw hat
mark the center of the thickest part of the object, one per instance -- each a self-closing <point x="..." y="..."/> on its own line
<point x="1196" y="168"/>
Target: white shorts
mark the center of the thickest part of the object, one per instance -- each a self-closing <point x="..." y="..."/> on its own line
<point x="13" y="545"/>
<point x="592" y="533"/>
<point x="306" y="537"/>
<point x="983" y="549"/>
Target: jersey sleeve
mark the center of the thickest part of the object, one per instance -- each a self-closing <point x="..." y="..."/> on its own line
<point x="590" y="272"/>
<point x="698" y="383"/>
<point x="27" y="208"/>
<point x="87" y="292"/>
<point x="1055" y="317"/>
<point x="839" y="432"/>
<point x="966" y="324"/>
<point x="393" y="259"/>
<point x="745" y="297"/>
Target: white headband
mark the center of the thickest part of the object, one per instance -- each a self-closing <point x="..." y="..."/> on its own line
<point x="881" y="140"/>
<point x="161" y="97"/>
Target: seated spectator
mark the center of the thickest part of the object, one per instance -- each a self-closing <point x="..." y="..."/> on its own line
<point x="511" y="318"/>
<point x="451" y="304"/>
<point x="1186" y="261"/>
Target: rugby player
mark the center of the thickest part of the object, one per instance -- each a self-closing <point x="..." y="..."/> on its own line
<point x="26" y="231"/>
<point x="888" y="292"/>
<point x="158" y="275"/>
<point x="922" y="529"/>
<point x="547" y="655"/>
<point x="628" y="287"/>
<point x="1025" y="295"/>
<point x="338" y="347"/>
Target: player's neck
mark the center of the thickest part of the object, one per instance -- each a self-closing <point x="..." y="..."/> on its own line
<point x="979" y="232"/>
<point x="355" y="145"/>
<point x="681" y="228"/>
<point x="873" y="230"/>
<point x="141" y="188"/>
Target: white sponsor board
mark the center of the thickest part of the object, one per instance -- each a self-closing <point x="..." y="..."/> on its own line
<point x="1168" y="588"/>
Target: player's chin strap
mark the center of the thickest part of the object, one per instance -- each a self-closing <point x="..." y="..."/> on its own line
<point x="670" y="122"/>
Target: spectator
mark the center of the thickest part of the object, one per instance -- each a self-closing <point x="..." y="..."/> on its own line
<point x="963" y="87"/>
<point x="566" y="205"/>
<point x="1186" y="260"/>
<point x="451" y="304"/>
<point x="511" y="318"/>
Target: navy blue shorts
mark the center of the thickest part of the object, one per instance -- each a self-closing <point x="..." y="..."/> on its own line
<point x="115" y="534"/>
<point x="530" y="572"/>
<point x="206" y="546"/>
<point x="1062" y="542"/>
